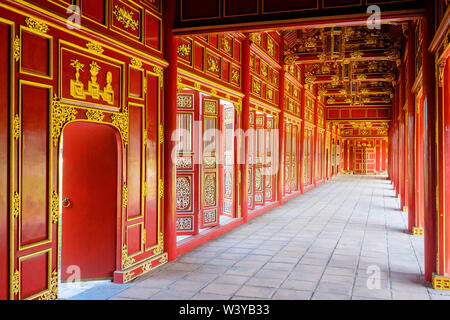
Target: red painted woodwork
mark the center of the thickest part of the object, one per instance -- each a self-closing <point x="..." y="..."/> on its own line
<point x="5" y="36"/>
<point x="245" y="140"/>
<point x="91" y="180"/>
<point x="444" y="170"/>
<point x="227" y="161"/>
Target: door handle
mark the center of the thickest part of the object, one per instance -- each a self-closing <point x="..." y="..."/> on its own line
<point x="66" y="202"/>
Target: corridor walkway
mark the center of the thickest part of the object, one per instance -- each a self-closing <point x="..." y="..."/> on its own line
<point x="345" y="239"/>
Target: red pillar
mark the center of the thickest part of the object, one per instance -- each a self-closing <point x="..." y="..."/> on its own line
<point x="411" y="127"/>
<point x="245" y="118"/>
<point x="170" y="124"/>
<point x="429" y="144"/>
<point x="302" y="130"/>
<point x="315" y="140"/>
<point x="281" y="130"/>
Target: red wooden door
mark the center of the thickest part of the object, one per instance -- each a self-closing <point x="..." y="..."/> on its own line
<point x="270" y="164"/>
<point x="287" y="159"/>
<point x="187" y="177"/>
<point x="227" y="173"/>
<point x="294" y="158"/>
<point x="210" y="170"/>
<point x="90" y="215"/>
<point x="359" y="160"/>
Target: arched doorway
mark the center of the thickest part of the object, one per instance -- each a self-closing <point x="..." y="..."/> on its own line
<point x="91" y="179"/>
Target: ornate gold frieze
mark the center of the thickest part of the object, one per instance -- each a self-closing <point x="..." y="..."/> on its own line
<point x="161" y="133"/>
<point x="16" y="205"/>
<point x="95" y="47"/>
<point x="125" y="17"/>
<point x="52" y="292"/>
<point x="95" y="115"/>
<point x="120" y="120"/>
<point x="126" y="260"/>
<point x="124" y="195"/>
<point x="61" y="114"/>
<point x="77" y="87"/>
<point x="36" y="25"/>
<point x="16" y="128"/>
<point x="210" y="107"/>
<point x="160" y="74"/>
<point x="226" y="45"/>
<point x="55" y="207"/>
<point x="17" y="48"/>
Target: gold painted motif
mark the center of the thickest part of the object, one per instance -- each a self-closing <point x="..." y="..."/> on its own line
<point x="77" y="87"/>
<point x="36" y="25"/>
<point x="125" y="17"/>
<point x="159" y="249"/>
<point x="210" y="107"/>
<point x="161" y="133"/>
<point x="161" y="188"/>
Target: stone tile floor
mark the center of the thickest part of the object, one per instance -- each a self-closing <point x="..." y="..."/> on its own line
<point x="344" y="240"/>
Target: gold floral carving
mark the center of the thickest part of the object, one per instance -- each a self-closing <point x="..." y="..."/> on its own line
<point x="52" y="292"/>
<point x="161" y="188"/>
<point x="126" y="260"/>
<point x="15" y="282"/>
<point x="126" y="18"/>
<point x="226" y="45"/>
<point x="36" y="25"/>
<point x="55" y="207"/>
<point x="161" y="133"/>
<point x="17" y="48"/>
<point x="95" y="115"/>
<point x="184" y="50"/>
<point x="210" y="107"/>
<point x="136" y="63"/>
<point x="124" y="195"/>
<point x="60" y="115"/>
<point x="159" y="249"/>
<point x="213" y="64"/>
<point x="120" y="120"/>
<point x="16" y="129"/>
<point x="235" y="76"/>
<point x="95" y="47"/>
<point x="16" y="205"/>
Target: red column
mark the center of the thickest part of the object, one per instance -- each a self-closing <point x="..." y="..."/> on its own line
<point x="302" y="130"/>
<point x="170" y="124"/>
<point x="315" y="141"/>
<point x="281" y="128"/>
<point x="245" y="119"/>
<point x="411" y="127"/>
<point x="429" y="144"/>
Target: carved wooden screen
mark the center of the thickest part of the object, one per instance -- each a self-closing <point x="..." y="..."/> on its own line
<point x="227" y="161"/>
<point x="359" y="160"/>
<point x="187" y="170"/>
<point x="370" y="160"/>
<point x="287" y="159"/>
<point x="251" y="161"/>
<point x="260" y="120"/>
<point x="210" y="175"/>
<point x="271" y="157"/>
